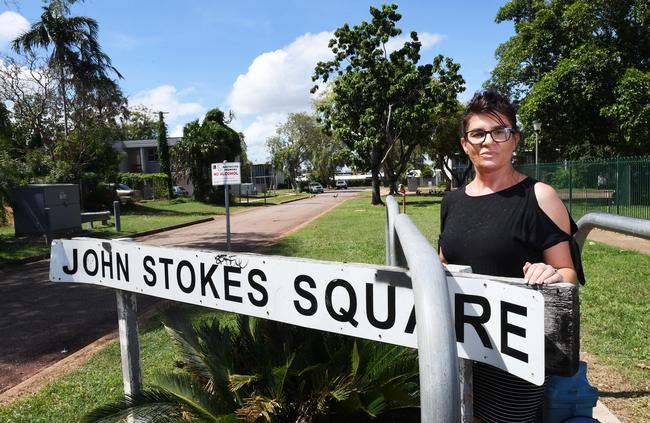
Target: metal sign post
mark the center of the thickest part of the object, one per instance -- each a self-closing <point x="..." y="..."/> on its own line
<point x="227" y="204"/>
<point x="225" y="174"/>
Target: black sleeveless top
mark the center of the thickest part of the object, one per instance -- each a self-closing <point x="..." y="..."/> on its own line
<point x="497" y="233"/>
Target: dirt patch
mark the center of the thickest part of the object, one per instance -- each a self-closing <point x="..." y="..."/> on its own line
<point x="619" y="240"/>
<point x="629" y="402"/>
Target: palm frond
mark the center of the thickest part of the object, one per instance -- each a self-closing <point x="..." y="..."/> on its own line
<point x="193" y="396"/>
<point x="239" y="381"/>
<point x="258" y="406"/>
<point x="152" y="405"/>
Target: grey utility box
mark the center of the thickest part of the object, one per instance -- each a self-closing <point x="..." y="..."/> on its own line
<point x="52" y="209"/>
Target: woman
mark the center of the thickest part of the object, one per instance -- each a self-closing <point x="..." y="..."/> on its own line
<point x="504" y="223"/>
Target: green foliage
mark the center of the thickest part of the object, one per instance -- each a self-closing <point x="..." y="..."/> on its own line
<point x="262" y="370"/>
<point x="580" y="67"/>
<point x="163" y="153"/>
<point x="71" y="113"/>
<point x="384" y="103"/>
<point x="138" y="125"/>
<point x="427" y="171"/>
<point x="13" y="173"/>
<point x="203" y="144"/>
<point x="631" y="111"/>
<point x="158" y="182"/>
<point x="300" y="144"/>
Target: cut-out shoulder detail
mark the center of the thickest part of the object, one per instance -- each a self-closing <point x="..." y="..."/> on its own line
<point x="551" y="204"/>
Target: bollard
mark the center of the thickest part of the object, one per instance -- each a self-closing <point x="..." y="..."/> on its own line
<point x="116" y="214"/>
<point x="48" y="226"/>
<point x="566" y="397"/>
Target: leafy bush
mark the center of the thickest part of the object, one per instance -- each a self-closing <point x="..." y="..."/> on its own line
<point x="156" y="181"/>
<point x="13" y="173"/>
<point x="273" y="372"/>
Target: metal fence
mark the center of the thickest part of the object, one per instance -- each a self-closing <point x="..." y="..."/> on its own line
<point x="619" y="186"/>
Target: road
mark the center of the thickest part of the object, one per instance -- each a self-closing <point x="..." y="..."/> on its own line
<point x="42" y="322"/>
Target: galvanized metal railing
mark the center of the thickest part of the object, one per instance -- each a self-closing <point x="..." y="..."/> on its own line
<point x="439" y="382"/>
<point x="621" y="224"/>
<point x="620" y="185"/>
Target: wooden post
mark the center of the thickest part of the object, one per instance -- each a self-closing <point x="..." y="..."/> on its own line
<point x="466" y="390"/>
<point x="129" y="342"/>
<point x="116" y="214"/>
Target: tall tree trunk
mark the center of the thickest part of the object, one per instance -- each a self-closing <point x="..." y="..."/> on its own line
<point x="374" y="169"/>
<point x="65" y="102"/>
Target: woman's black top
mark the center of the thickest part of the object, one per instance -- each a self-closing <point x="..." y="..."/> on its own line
<point x="496" y="234"/>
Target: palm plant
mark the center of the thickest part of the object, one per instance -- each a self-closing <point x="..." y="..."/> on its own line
<point x="75" y="50"/>
<point x="267" y="371"/>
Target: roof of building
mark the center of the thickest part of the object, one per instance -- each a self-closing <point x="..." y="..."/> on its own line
<point x="127" y="144"/>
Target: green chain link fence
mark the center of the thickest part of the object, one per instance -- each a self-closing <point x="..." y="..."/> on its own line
<point x="618" y="186"/>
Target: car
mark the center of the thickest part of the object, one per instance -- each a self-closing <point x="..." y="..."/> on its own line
<point x="341" y="184"/>
<point x="315" y="188"/>
<point x="125" y="193"/>
<point x="179" y="191"/>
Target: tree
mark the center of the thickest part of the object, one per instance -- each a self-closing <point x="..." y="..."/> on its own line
<point x="137" y="124"/>
<point x="383" y="101"/>
<point x="211" y="141"/>
<point x="444" y="146"/>
<point x="272" y="372"/>
<point x="75" y="51"/>
<point x="301" y="145"/>
<point x="29" y="85"/>
<point x="570" y="65"/>
<point x="163" y="153"/>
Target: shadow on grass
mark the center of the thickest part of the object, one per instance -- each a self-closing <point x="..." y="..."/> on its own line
<point x="422" y="203"/>
<point x="144" y="210"/>
<point x="624" y="394"/>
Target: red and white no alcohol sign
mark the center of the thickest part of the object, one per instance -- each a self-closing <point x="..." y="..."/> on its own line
<point x="226" y="173"/>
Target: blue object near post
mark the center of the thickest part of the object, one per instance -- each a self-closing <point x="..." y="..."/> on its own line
<point x="567" y="397"/>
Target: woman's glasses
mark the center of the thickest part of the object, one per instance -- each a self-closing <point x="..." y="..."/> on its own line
<point x="478" y="136"/>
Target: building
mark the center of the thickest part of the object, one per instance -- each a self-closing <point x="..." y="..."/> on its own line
<point x="140" y="155"/>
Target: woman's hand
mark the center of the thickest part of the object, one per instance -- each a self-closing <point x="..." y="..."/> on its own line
<point x="541" y="273"/>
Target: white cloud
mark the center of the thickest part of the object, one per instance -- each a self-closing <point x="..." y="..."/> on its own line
<point x="279" y="81"/>
<point x="166" y="98"/>
<point x="256" y="133"/>
<point x="177" y="131"/>
<point x="427" y="39"/>
<point x="12" y="25"/>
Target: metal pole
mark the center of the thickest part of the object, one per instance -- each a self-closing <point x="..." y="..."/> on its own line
<point x="227" y="207"/>
<point x="392" y="210"/>
<point x="437" y="355"/>
<point x="536" y="155"/>
<point x="116" y="215"/>
<point x="622" y="224"/>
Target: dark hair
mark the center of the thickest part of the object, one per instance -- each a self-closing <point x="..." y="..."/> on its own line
<point x="489" y="102"/>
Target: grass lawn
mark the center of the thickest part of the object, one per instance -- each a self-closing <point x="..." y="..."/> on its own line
<point x="135" y="218"/>
<point x="615" y="306"/>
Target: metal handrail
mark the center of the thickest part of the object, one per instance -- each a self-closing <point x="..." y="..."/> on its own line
<point x="437" y="354"/>
<point x="621" y="224"/>
<point x="392" y="210"/>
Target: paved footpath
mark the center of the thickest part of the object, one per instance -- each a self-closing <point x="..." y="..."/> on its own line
<point x="42" y="323"/>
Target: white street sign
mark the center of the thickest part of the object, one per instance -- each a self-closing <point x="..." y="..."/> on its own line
<point x="496" y="323"/>
<point x="228" y="173"/>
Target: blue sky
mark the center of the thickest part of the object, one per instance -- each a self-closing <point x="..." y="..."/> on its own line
<point x="255" y="58"/>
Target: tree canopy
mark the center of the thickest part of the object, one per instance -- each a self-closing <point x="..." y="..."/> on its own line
<point x="579" y="67"/>
<point x="163" y="153"/>
<point x="385" y="103"/>
<point x="300" y="145"/>
<point x="211" y="141"/>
